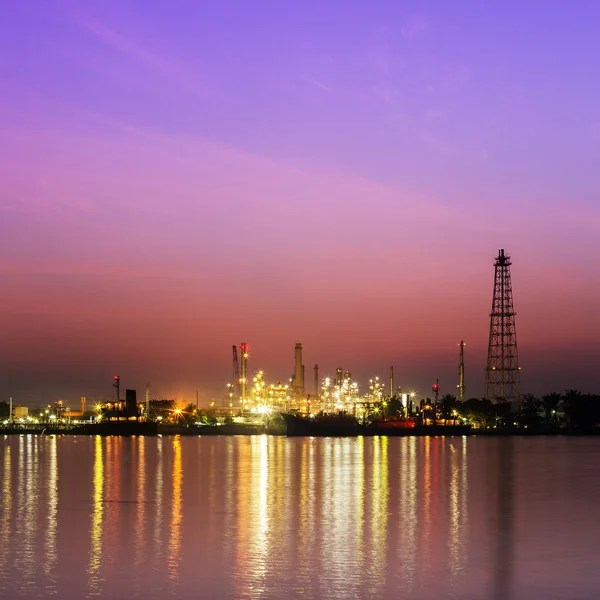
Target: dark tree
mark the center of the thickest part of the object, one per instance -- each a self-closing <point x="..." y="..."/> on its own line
<point x="449" y="404"/>
<point x="394" y="407"/>
<point x="570" y="400"/>
<point x="582" y="411"/>
<point x="503" y="413"/>
<point x="528" y="412"/>
<point x="189" y="414"/>
<point x="478" y="411"/>
<point x="550" y="403"/>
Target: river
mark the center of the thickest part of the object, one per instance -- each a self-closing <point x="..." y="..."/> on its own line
<point x="285" y="518"/>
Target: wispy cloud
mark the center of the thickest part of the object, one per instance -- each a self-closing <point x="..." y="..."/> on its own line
<point x="125" y="45"/>
<point x="316" y="83"/>
<point x="186" y="78"/>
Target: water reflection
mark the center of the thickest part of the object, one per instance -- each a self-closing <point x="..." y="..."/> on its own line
<point x="176" y="512"/>
<point x="140" y="500"/>
<point x="504" y="550"/>
<point x="268" y="517"/>
<point x="95" y="580"/>
<point x="408" y="512"/>
<point x="424" y="507"/>
<point x="457" y="509"/>
<point x="376" y="558"/>
<point x="307" y="521"/>
<point x="7" y="501"/>
<point x="258" y="526"/>
<point x="158" y="501"/>
<point x="51" y="554"/>
<point x="27" y="522"/>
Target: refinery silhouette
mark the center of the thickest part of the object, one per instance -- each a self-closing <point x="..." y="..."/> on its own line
<point x="335" y="405"/>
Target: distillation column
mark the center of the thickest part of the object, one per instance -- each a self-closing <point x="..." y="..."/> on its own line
<point x="461" y="373"/>
<point x="244" y="371"/>
<point x="298" y="371"/>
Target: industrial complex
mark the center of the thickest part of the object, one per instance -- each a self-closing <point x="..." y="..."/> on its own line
<point x="250" y="393"/>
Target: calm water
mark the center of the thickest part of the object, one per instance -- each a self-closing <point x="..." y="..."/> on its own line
<point x="271" y="517"/>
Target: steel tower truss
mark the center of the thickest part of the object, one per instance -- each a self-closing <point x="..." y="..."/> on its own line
<point x="502" y="374"/>
<point x="236" y="376"/>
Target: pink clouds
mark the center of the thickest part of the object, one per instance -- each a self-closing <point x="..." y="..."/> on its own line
<point x="159" y="251"/>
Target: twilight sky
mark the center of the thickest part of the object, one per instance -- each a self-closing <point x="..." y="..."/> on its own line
<point x="178" y="177"/>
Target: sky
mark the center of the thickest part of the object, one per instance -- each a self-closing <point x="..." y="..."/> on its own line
<point x="179" y="177"/>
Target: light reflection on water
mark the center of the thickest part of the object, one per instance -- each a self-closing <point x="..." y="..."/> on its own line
<point x="176" y="512"/>
<point x="272" y="517"/>
<point x="95" y="561"/>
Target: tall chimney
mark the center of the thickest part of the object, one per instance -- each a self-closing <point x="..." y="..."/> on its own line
<point x="461" y="373"/>
<point x="244" y="374"/>
<point x="391" y="382"/>
<point x="338" y="376"/>
<point x="317" y="392"/>
<point x="298" y="370"/>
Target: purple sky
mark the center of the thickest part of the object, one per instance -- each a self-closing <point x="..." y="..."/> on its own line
<point x="180" y="177"/>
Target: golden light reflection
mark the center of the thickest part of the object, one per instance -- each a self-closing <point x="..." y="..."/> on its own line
<point x="240" y="502"/>
<point x="95" y="581"/>
<point x="258" y="538"/>
<point x="342" y="510"/>
<point x="281" y="534"/>
<point x="457" y="507"/>
<point x="111" y="528"/>
<point x="158" y="501"/>
<point x="140" y="500"/>
<point x="307" y="522"/>
<point x="377" y="558"/>
<point x="408" y="510"/>
<point x="7" y="501"/>
<point x="51" y="514"/>
<point x="175" y="522"/>
<point x="425" y="508"/>
<point x="28" y="508"/>
<point x="231" y="510"/>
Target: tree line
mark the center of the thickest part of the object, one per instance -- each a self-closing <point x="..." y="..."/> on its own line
<point x="571" y="410"/>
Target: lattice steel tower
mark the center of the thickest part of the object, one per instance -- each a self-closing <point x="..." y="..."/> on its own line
<point x="502" y="374"/>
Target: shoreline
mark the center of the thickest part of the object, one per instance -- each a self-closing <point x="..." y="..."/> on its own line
<point x="251" y="430"/>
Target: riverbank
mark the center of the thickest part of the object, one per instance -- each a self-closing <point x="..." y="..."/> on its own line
<point x="233" y="429"/>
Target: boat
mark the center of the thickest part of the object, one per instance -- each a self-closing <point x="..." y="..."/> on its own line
<point x="395" y="424"/>
<point x="334" y="424"/>
<point x="410" y="426"/>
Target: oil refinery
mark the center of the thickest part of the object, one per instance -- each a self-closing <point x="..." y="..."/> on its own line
<point x="328" y="395"/>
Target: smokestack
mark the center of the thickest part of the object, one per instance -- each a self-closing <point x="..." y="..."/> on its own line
<point x="147" y="400"/>
<point x="338" y="376"/>
<point x="298" y="370"/>
<point x="244" y="368"/>
<point x="117" y="386"/>
<point x="82" y="404"/>
<point x="317" y="393"/>
<point x="391" y="382"/>
<point x="461" y="373"/>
